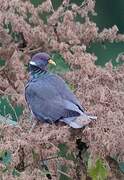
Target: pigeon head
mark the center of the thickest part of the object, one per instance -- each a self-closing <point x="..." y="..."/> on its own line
<point x="40" y="61"/>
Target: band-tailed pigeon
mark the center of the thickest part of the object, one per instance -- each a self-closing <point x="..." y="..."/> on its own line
<point x="49" y="98"/>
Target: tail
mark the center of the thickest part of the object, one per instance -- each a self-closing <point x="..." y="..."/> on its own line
<point x="91" y="116"/>
<point x="82" y="121"/>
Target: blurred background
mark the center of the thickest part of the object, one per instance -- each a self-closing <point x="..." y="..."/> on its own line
<point x="108" y="13"/>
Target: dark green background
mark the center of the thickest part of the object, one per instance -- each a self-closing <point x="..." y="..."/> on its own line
<point x="109" y="13"/>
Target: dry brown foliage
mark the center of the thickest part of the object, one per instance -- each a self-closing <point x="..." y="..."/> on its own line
<point x="100" y="90"/>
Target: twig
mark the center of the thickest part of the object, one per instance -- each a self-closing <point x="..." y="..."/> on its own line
<point x="34" y="50"/>
<point x="49" y="158"/>
<point x="63" y="173"/>
<point x="7" y="94"/>
<point x="51" y="5"/>
<point x="27" y="50"/>
<point x="12" y="109"/>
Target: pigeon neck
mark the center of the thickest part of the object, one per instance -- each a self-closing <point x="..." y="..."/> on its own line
<point x="38" y="73"/>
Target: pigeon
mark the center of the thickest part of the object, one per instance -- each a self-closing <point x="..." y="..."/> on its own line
<point x="50" y="99"/>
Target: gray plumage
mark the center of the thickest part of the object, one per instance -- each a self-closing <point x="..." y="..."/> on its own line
<point x="51" y="100"/>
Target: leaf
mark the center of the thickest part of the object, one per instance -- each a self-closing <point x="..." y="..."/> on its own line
<point x="16" y="37"/>
<point x="98" y="171"/>
<point x="63" y="174"/>
<point x="2" y="62"/>
<point x="5" y="170"/>
<point x="72" y="87"/>
<point x="5" y="157"/>
<point x="61" y="65"/>
<point x="62" y="170"/>
<point x="15" y="172"/>
<point x="7" y="110"/>
<point x="66" y="154"/>
<point x="121" y="166"/>
<point x="8" y="120"/>
<point x="8" y="27"/>
<point x="63" y="150"/>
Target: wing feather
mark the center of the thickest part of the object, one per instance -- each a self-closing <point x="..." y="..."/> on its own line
<point x="63" y="89"/>
<point x="50" y="99"/>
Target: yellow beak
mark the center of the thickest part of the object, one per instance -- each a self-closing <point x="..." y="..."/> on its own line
<point x="50" y="61"/>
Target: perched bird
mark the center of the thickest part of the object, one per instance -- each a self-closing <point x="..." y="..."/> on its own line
<point x="49" y="97"/>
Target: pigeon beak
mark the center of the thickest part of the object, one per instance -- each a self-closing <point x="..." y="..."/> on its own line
<point x="50" y="61"/>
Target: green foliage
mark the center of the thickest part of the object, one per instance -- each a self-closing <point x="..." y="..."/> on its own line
<point x="61" y="65"/>
<point x="8" y="120"/>
<point x="2" y="62"/>
<point x="63" y="169"/>
<point x="8" y="111"/>
<point x="63" y="149"/>
<point x="15" y="173"/>
<point x="5" y="157"/>
<point x="8" y="27"/>
<point x="63" y="173"/>
<point x="119" y="163"/>
<point x="97" y="171"/>
<point x="16" y="36"/>
<point x="34" y="155"/>
<point x="64" y="152"/>
<point x="72" y="87"/>
<point x="121" y="166"/>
